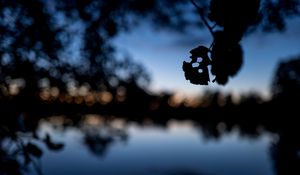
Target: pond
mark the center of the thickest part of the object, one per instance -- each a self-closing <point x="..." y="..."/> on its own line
<point x="111" y="146"/>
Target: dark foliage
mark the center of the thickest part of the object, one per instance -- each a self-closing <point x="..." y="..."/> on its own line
<point x="69" y="43"/>
<point x="65" y="44"/>
<point x="286" y="81"/>
<point x="20" y="151"/>
<point x="234" y="19"/>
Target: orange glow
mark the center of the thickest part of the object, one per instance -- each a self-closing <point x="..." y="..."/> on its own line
<point x="89" y="99"/>
<point x="118" y="124"/>
<point x="54" y="91"/>
<point x="191" y="102"/>
<point x="175" y="100"/>
<point x="92" y="119"/>
<point x="57" y="120"/>
<point x="105" y="97"/>
<point x="13" y="89"/>
<point x="174" y="124"/>
<point x="83" y="90"/>
<point x="45" y="94"/>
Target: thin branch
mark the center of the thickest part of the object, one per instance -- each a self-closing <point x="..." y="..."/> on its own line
<point x="37" y="166"/>
<point x="200" y="11"/>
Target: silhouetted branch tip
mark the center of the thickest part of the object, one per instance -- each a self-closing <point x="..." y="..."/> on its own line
<point x="201" y="14"/>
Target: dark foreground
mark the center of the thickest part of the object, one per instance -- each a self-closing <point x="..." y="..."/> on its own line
<point x="162" y="143"/>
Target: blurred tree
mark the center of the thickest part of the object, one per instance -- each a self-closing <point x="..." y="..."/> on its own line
<point x="286" y="81"/>
<point x="69" y="43"/>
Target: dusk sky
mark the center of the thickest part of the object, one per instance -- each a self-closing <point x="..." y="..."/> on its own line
<point x="162" y="53"/>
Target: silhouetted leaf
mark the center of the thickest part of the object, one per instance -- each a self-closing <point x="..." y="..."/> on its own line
<point x="199" y="74"/>
<point x="227" y="57"/>
<point x="233" y="18"/>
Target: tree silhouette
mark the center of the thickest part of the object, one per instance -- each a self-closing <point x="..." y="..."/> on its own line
<point x="70" y="42"/>
<point x="233" y="19"/>
<point x="286" y="81"/>
<point x="58" y="43"/>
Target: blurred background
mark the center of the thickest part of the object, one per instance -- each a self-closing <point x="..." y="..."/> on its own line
<point x="123" y="87"/>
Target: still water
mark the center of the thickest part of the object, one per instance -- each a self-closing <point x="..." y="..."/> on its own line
<point x="96" y="145"/>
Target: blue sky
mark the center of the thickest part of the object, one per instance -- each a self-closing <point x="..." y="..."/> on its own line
<point x="162" y="53"/>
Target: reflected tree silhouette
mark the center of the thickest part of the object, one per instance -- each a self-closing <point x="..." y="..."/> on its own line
<point x="285" y="152"/>
<point x="101" y="133"/>
<point x="285" y="88"/>
<point x="20" y="152"/>
<point x="98" y="139"/>
<point x="183" y="172"/>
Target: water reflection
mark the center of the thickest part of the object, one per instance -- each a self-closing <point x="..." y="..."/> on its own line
<point x="93" y="144"/>
<point x="119" y="146"/>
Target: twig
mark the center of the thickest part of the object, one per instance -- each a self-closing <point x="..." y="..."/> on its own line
<point x="211" y="45"/>
<point x="200" y="11"/>
<point x="214" y="26"/>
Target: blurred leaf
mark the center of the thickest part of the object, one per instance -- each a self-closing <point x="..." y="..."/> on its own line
<point x="286" y="80"/>
<point x="53" y="146"/>
<point x="33" y="150"/>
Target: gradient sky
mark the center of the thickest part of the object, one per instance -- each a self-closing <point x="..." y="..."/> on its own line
<point x="162" y="53"/>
